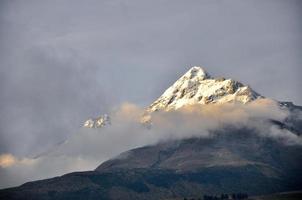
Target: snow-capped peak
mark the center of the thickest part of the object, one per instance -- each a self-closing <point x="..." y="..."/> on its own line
<point x="196" y="86"/>
<point x="196" y="72"/>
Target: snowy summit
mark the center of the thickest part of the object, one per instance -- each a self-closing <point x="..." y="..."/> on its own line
<point x="197" y="87"/>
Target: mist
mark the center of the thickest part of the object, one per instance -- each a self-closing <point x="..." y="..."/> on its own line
<point x="90" y="147"/>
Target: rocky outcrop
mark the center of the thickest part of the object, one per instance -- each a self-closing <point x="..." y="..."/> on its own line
<point x="98" y="122"/>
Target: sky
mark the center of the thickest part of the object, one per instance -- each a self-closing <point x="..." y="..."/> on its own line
<point x="62" y="62"/>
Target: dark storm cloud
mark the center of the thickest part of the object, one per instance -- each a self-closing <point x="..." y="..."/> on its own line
<point x="64" y="61"/>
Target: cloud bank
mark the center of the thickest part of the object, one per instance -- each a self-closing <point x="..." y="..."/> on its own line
<point x="89" y="147"/>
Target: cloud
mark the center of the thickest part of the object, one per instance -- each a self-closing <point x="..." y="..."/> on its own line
<point x="89" y="147"/>
<point x="7" y="160"/>
<point x="285" y="136"/>
<point x="198" y="120"/>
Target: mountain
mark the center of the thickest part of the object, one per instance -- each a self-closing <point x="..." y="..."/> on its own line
<point x="236" y="158"/>
<point x="196" y="86"/>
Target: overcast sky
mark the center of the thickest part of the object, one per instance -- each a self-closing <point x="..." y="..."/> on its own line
<point x="64" y="61"/>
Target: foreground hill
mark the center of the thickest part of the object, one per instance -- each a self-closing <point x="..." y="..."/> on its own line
<point x="295" y="195"/>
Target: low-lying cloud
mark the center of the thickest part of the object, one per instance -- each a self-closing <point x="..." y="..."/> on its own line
<point x="89" y="147"/>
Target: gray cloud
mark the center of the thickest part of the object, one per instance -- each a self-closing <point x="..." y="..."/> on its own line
<point x="62" y="62"/>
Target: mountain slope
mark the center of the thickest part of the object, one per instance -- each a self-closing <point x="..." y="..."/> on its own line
<point x="229" y="147"/>
<point x="236" y="160"/>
